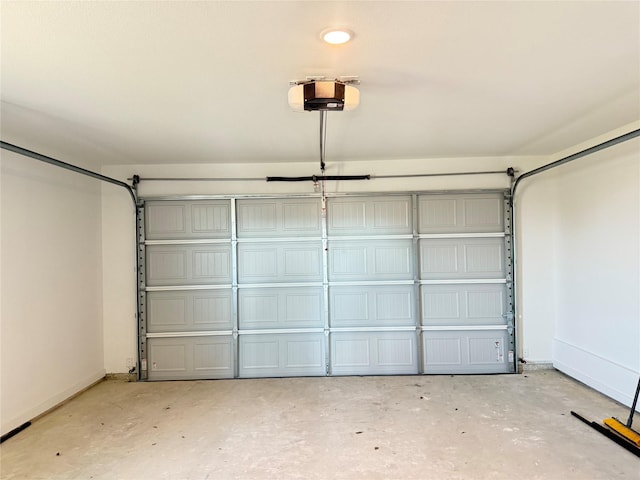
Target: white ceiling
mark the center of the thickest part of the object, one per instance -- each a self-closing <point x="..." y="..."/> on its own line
<point x="190" y="82"/>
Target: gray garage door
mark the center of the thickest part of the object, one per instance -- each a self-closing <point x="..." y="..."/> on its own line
<point x="263" y="287"/>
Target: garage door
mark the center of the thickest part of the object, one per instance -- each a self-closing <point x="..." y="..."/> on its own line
<point x="263" y="287"/>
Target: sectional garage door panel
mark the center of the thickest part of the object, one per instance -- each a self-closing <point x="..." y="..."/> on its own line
<point x="462" y="258"/>
<point x="188" y="220"/>
<point x="280" y="262"/>
<point x="182" y="358"/>
<point x="189" y="310"/>
<point x="258" y="218"/>
<point x="372" y="306"/>
<point x="188" y="265"/>
<point x="374" y="353"/>
<point x="472" y="351"/>
<point x="447" y="214"/>
<point x="370" y="260"/>
<point x="356" y="285"/>
<point x="282" y="355"/>
<point x="390" y="215"/>
<point x="465" y="304"/>
<point x="268" y="308"/>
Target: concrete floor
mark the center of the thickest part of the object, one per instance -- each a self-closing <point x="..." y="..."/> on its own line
<point x="420" y="427"/>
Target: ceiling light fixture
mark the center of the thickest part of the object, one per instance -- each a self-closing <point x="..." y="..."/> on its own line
<point x="336" y="36"/>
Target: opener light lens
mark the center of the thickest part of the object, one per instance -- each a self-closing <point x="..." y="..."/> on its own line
<point x="336" y="37"/>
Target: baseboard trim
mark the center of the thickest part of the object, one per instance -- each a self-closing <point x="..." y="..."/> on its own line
<point x="606" y="376"/>
<point x="56" y="401"/>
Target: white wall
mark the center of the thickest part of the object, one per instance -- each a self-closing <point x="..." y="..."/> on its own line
<point x="119" y="279"/>
<point x="535" y="208"/>
<point x="579" y="266"/>
<point x="597" y="269"/>
<point x="51" y="288"/>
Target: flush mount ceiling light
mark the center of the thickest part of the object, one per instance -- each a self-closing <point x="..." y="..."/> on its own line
<point x="336" y="36"/>
<point x="323" y="95"/>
